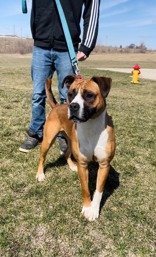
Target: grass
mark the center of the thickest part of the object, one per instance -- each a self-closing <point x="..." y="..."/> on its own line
<point x="43" y="219"/>
<point x="110" y="60"/>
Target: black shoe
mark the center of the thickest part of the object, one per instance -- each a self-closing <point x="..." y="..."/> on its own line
<point x="63" y="143"/>
<point x="29" y="144"/>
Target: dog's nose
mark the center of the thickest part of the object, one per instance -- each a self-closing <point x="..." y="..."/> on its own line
<point x="74" y="107"/>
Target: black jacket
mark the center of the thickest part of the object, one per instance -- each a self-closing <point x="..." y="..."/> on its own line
<point x="47" y="30"/>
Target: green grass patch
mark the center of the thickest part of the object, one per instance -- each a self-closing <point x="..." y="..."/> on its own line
<point x="43" y="219"/>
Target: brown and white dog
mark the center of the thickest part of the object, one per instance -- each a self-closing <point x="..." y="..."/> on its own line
<point x="90" y="134"/>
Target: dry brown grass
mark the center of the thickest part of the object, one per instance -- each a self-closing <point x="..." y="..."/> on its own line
<point x="15" y="45"/>
<point x="121" y="60"/>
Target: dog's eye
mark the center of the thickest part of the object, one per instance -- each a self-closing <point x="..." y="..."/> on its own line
<point x="89" y="96"/>
<point x="71" y="95"/>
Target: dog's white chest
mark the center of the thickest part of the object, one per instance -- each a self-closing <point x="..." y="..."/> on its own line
<point x="100" y="149"/>
<point x="93" y="138"/>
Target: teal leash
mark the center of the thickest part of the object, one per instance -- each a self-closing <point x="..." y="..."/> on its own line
<point x="68" y="38"/>
<point x="24" y="6"/>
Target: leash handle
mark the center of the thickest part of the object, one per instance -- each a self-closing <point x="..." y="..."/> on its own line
<point x="24" y="6"/>
<point x="68" y="37"/>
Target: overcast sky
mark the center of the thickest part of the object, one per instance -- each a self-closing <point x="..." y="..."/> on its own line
<point x="122" y="22"/>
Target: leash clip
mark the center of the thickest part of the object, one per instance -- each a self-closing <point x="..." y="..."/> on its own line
<point x="76" y="68"/>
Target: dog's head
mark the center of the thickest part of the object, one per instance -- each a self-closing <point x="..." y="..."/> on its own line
<point x="86" y="98"/>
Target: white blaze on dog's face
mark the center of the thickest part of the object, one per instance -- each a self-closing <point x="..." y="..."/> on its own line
<point x="77" y="106"/>
<point x="86" y="98"/>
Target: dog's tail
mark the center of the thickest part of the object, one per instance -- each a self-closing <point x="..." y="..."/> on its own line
<point x="50" y="97"/>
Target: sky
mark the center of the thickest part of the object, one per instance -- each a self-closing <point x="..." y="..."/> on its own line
<point x="121" y="22"/>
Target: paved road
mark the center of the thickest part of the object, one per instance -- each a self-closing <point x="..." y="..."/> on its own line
<point x="145" y="73"/>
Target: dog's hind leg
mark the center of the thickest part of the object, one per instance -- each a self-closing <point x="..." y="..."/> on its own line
<point x="71" y="163"/>
<point x="50" y="133"/>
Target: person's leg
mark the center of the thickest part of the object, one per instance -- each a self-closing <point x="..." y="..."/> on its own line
<point x="41" y="69"/>
<point x="63" y="68"/>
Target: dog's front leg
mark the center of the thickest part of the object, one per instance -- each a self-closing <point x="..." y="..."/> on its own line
<point x="90" y="208"/>
<point x="102" y="175"/>
<point x="83" y="175"/>
<point x="91" y="211"/>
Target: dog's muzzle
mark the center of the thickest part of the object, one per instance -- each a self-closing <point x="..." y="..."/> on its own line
<point x="74" y="109"/>
<point x="74" y="112"/>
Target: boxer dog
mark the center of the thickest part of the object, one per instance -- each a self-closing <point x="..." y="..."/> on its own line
<point x="90" y="134"/>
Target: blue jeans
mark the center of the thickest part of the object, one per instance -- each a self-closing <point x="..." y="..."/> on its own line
<point x="44" y="63"/>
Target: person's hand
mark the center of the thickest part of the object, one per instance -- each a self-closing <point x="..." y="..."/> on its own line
<point x="81" y="56"/>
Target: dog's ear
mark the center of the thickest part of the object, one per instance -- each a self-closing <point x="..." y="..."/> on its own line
<point x="68" y="80"/>
<point x="104" y="84"/>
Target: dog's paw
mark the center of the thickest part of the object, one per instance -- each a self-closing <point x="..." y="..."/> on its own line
<point x="90" y="213"/>
<point x="40" y="176"/>
<point x="72" y="165"/>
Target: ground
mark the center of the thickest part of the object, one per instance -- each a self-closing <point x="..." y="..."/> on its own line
<point x="44" y="219"/>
